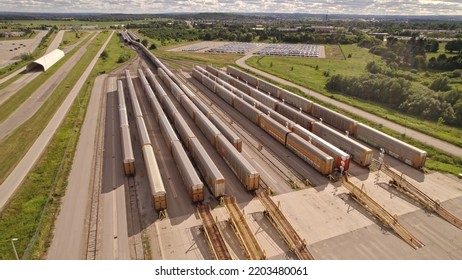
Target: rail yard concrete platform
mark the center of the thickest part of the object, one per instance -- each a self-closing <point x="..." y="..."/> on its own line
<point x="333" y="224"/>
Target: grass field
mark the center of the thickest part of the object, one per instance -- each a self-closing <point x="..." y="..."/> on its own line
<point x="312" y="72"/>
<point x="202" y="58"/>
<point x="48" y="180"/>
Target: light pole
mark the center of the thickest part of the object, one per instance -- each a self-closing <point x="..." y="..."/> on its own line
<point x="14" y="248"/>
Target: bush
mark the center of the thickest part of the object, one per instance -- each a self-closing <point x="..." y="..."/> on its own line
<point x="104" y="55"/>
<point x="123" y="58"/>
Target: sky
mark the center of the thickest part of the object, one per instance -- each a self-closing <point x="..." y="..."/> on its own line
<point x="362" y="7"/>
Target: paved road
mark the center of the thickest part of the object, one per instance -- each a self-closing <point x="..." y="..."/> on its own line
<point x="28" y="108"/>
<point x="16" y="177"/>
<point x="27" y="77"/>
<point x="68" y="240"/>
<point x="431" y="141"/>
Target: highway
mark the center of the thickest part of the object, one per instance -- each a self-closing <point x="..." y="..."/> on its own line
<point x="16" y="177"/>
<point x="429" y="140"/>
<point x="28" y="108"/>
<point x="26" y="77"/>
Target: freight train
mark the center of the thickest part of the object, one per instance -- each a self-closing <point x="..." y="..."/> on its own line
<point x="159" y="195"/>
<point x="191" y="179"/>
<point x="318" y="159"/>
<point x="398" y="149"/>
<point x="127" y="149"/>
<point x="248" y="176"/>
<point x="228" y="144"/>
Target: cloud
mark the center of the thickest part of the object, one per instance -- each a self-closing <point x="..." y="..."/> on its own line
<point x="371" y="7"/>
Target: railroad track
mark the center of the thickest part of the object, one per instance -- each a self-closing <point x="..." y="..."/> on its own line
<point x="212" y="233"/>
<point x="135" y="241"/>
<point x="96" y="183"/>
<point x="290" y="178"/>
<point x="380" y="213"/>
<point x="247" y="238"/>
<point x="285" y="229"/>
<point x="400" y="182"/>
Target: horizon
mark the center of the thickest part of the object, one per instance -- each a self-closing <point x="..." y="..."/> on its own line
<point x="333" y="7"/>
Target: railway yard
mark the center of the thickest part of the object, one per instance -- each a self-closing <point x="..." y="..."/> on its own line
<point x="195" y="162"/>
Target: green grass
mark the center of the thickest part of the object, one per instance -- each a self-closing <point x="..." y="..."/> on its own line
<point x="72" y="37"/>
<point x="48" y="177"/>
<point x="203" y="58"/>
<point x="38" y="52"/>
<point x="310" y="72"/>
<point x="14" y="146"/>
<point x="8" y="107"/>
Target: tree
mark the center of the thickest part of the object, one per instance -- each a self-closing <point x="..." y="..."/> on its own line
<point x="432" y="46"/>
<point x="440" y="84"/>
<point x="454" y="46"/>
<point x="104" y="55"/>
<point x="153" y="46"/>
<point x="145" y="42"/>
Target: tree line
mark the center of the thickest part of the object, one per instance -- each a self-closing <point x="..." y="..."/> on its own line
<point x="438" y="102"/>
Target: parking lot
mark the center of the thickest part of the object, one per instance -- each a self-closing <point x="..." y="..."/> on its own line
<point x="244" y="48"/>
<point x="11" y="50"/>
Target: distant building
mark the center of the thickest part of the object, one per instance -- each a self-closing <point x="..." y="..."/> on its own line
<point x="326" y="28"/>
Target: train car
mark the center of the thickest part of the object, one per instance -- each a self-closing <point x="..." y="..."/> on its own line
<point x="123" y="116"/>
<point x="208" y="129"/>
<point x="164" y="77"/>
<point x="334" y="119"/>
<point x="242" y="76"/>
<point x="409" y="154"/>
<point x="126" y="141"/>
<point x="251" y="112"/>
<point x="131" y="91"/>
<point x="190" y="178"/>
<point x="275" y="129"/>
<point x="169" y="108"/>
<point x="208" y="169"/>
<point x="212" y="70"/>
<point x="268" y="88"/>
<point x="167" y="131"/>
<point x="341" y="158"/>
<point x="155" y="84"/>
<point x="264" y="98"/>
<point x="133" y="36"/>
<point x="295" y="100"/>
<point x="209" y="83"/>
<point x="225" y="94"/>
<point x="358" y="152"/>
<point x="187" y="91"/>
<point x="204" y="108"/>
<point x="175" y="90"/>
<point x="244" y="171"/>
<point x="225" y="78"/>
<point x="155" y="105"/>
<point x="188" y="106"/>
<point x="159" y="195"/>
<point x="275" y="115"/>
<point x="196" y="74"/>
<point x="319" y="160"/>
<point x="236" y="73"/>
<point x="294" y="115"/>
<point x="226" y="131"/>
<point x="142" y="132"/>
<point x="127" y="151"/>
<point x="183" y="129"/>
